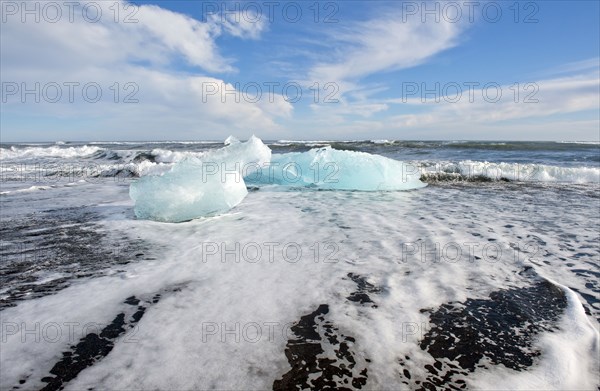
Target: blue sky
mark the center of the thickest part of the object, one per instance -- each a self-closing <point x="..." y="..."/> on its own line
<point x="390" y="70"/>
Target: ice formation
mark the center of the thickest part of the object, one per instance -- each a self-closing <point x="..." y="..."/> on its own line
<point x="216" y="181"/>
<point x="328" y="168"/>
<point x="199" y="186"/>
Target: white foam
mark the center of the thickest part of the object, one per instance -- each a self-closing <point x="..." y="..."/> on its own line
<point x="51" y="151"/>
<point x="513" y="171"/>
<point x="368" y="231"/>
<point x="168" y="156"/>
<point x="569" y="359"/>
<point x="26" y="190"/>
<point x="580" y="142"/>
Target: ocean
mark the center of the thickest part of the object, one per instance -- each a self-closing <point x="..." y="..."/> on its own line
<point x="485" y="278"/>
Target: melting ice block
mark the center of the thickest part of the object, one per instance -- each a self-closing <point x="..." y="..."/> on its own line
<point x="216" y="181"/>
<point x="202" y="186"/>
<point x="328" y="168"/>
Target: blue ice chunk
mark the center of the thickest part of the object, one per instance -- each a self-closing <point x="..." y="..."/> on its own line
<point x="200" y="186"/>
<point x="328" y="168"/>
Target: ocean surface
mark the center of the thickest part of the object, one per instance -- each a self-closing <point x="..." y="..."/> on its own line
<point x="487" y="278"/>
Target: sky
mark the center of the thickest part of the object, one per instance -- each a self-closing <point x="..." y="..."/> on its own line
<point x="300" y="70"/>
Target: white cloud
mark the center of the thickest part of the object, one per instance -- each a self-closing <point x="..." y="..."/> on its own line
<point x="543" y="98"/>
<point x="588" y="65"/>
<point x="151" y="51"/>
<point x="566" y="109"/>
<point x="180" y="34"/>
<point x="153" y="35"/>
<point x="144" y="53"/>
<point x="241" y="24"/>
<point x="383" y="44"/>
<point x="343" y="109"/>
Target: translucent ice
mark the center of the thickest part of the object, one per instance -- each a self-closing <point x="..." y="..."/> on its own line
<point x="216" y="181"/>
<point x="328" y="168"/>
<point x="200" y="186"/>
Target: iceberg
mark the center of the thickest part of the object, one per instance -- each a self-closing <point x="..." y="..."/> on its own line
<point x="200" y="186"/>
<point x="215" y="182"/>
<point x="328" y="168"/>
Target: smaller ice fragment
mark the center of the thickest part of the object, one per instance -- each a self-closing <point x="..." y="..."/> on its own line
<point x="202" y="186"/>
